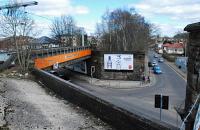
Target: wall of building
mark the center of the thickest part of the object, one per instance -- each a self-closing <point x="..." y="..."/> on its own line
<point x="193" y="78"/>
<point x="97" y="60"/>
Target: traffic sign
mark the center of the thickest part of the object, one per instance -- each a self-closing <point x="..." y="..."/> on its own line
<point x="162" y="102"/>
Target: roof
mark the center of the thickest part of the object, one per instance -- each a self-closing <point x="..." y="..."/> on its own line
<point x="175" y="45"/>
<point x="43" y="40"/>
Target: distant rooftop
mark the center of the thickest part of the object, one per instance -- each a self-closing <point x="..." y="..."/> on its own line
<point x="175" y="45"/>
<point x="43" y="40"/>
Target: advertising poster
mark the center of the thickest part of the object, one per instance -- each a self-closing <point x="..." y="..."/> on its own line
<point x="118" y="61"/>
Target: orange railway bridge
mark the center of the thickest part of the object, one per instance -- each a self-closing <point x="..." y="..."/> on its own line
<point x="47" y="58"/>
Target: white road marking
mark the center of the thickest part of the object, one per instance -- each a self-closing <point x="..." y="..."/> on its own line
<point x="176" y="72"/>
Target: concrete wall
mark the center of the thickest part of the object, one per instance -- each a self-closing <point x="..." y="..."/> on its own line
<point x="97" y="60"/>
<point x="193" y="77"/>
<point x="116" y="116"/>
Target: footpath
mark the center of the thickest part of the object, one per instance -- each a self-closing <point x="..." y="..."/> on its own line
<point x="116" y="84"/>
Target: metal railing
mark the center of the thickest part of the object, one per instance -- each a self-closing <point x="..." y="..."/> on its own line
<point x="40" y="53"/>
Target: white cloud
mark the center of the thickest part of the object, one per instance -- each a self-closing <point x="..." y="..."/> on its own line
<point x="88" y="26"/>
<point x="53" y="8"/>
<point x="169" y="30"/>
<point x="180" y="12"/>
<point x="57" y="8"/>
<point x="81" y="10"/>
<point x="175" y="8"/>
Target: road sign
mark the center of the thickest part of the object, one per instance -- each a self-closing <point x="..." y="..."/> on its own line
<point x="55" y="66"/>
<point x="162" y="102"/>
<point x="92" y="69"/>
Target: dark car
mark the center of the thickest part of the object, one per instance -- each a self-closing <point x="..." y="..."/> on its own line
<point x="150" y="64"/>
<point x="60" y="73"/>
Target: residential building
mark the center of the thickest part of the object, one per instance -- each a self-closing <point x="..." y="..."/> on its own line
<point x="174" y="48"/>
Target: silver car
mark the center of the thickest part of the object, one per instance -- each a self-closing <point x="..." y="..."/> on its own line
<point x="160" y="60"/>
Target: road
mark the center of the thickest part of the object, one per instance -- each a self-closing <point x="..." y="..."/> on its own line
<point x="170" y="83"/>
<point x="141" y="101"/>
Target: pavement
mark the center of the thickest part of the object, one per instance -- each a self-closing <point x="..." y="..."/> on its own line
<point x="115" y="84"/>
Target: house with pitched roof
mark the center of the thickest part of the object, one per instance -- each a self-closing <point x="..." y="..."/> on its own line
<point x="174" y="48"/>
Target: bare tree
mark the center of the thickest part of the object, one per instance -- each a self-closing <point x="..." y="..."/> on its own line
<point x="63" y="26"/>
<point x="124" y="30"/>
<point x="16" y="24"/>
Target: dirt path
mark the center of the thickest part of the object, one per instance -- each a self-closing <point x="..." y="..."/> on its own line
<point x="28" y="106"/>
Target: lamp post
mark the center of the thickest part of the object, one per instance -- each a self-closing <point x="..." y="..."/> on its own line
<point x="82" y="36"/>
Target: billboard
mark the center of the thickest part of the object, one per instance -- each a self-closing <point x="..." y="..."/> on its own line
<point x="118" y="61"/>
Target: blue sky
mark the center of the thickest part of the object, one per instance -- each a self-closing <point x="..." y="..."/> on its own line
<point x="170" y="16"/>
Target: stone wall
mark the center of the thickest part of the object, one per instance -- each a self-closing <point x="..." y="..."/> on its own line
<point x="97" y="60"/>
<point x="193" y="78"/>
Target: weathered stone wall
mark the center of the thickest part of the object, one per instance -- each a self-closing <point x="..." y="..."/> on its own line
<point x="97" y="60"/>
<point x="193" y="78"/>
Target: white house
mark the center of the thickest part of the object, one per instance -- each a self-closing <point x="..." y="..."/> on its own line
<point x="175" y="48"/>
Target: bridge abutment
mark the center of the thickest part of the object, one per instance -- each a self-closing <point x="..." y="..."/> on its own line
<point x="193" y="78"/>
<point x="97" y="60"/>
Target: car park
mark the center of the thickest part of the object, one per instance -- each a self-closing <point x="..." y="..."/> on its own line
<point x="157" y="70"/>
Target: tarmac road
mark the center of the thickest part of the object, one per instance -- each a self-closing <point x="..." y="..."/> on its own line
<point x="141" y="100"/>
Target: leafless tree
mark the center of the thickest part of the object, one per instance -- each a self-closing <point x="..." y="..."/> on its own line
<point x="64" y="26"/>
<point x="124" y="30"/>
<point x="17" y="25"/>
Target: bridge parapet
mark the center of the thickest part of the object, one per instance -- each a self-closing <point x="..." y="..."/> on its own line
<point x="41" y="53"/>
<point x="45" y="58"/>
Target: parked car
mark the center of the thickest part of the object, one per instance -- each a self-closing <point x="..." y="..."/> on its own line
<point x="160" y="60"/>
<point x="155" y="55"/>
<point x="157" y="70"/>
<point x="154" y="63"/>
<point x="150" y="64"/>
